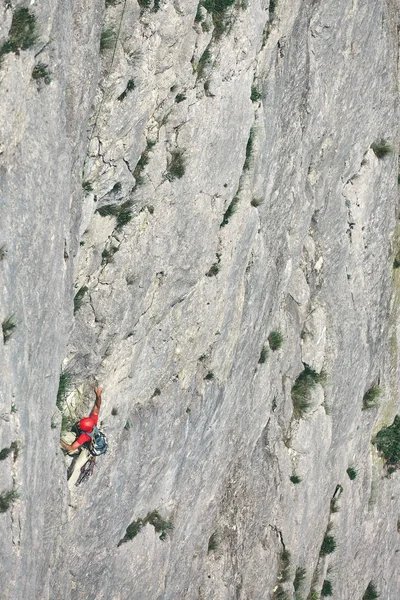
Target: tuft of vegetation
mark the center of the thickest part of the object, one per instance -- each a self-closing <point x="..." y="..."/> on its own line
<point x="204" y="61"/>
<point x="370" y="399"/>
<point x="7" y="451"/>
<point x="129" y="88"/>
<point x="3" y="252"/>
<point x="387" y="441"/>
<point x="154" y="518"/>
<point x="64" y="387"/>
<point x="230" y="211"/>
<point x="295" y="479"/>
<point x="381" y="148"/>
<point x="8" y="326"/>
<point x="352" y="473"/>
<point x="218" y="10"/>
<point x="249" y="150"/>
<point x="112" y="3"/>
<point x="22" y="34"/>
<point x="114" y="411"/>
<point x="87" y="187"/>
<point x="146" y="5"/>
<point x="213" y="270"/>
<point x="263" y="355"/>
<point x="256" y="94"/>
<point x="6" y="499"/>
<point x="275" y="340"/>
<point x="176" y="165"/>
<point x="271" y="9"/>
<point x="122" y="213"/>
<point x="180" y="98"/>
<point x="326" y="588"/>
<point x="108" y="39"/>
<point x="396" y="262"/>
<point x="256" y="202"/>
<point x="301" y="390"/>
<point x="40" y="72"/>
<point x="107" y="256"/>
<point x="371" y="592"/>
<point x="213" y="542"/>
<point x="284" y="566"/>
<point x="199" y="14"/>
<point x="299" y="578"/>
<point x="328" y="545"/>
<point x="141" y="164"/>
<point x="157" y="392"/>
<point x="209" y="376"/>
<point x="78" y="298"/>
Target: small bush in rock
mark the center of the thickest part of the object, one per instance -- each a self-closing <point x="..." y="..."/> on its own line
<point x="381" y="148"/>
<point x="6" y="499"/>
<point x="22" y="34"/>
<point x="107" y="40"/>
<point x="326" y="588"/>
<point x="154" y="518"/>
<point x="7" y="451"/>
<point x="213" y="542"/>
<point x="328" y="545"/>
<point x="87" y="187"/>
<point x="295" y="479"/>
<point x="3" y="252"/>
<point x="209" y="376"/>
<point x="213" y="270"/>
<point x="371" y="397"/>
<point x="129" y="88"/>
<point x="263" y="355"/>
<point x="180" y="98"/>
<point x="64" y="387"/>
<point x="284" y="566"/>
<point x="299" y="578"/>
<point x="301" y="390"/>
<point x="230" y="211"/>
<point x="176" y="166"/>
<point x="275" y="340"/>
<point x="387" y="441"/>
<point x="352" y="473"/>
<point x="40" y="72"/>
<point x="79" y="296"/>
<point x="8" y="326"/>
<point x="249" y="150"/>
<point x="371" y="592"/>
<point x="256" y="94"/>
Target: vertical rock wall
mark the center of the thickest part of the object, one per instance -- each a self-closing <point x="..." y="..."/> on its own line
<point x="203" y="181"/>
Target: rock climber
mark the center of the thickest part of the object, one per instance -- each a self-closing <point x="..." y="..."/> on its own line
<point x="85" y="425"/>
<point x="78" y="447"/>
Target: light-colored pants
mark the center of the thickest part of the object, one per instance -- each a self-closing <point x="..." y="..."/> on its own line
<point x="79" y="462"/>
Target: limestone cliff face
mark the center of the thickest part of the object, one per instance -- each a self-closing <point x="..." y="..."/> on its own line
<point x="204" y="180"/>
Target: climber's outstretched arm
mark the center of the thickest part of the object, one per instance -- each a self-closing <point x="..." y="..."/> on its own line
<point x="69" y="447"/>
<point x="97" y="404"/>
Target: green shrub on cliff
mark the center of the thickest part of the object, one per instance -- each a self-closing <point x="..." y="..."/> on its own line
<point x="387" y="441"/>
<point x="370" y="593"/>
<point x="371" y="397"/>
<point x="381" y="148"/>
<point x="301" y="390"/>
<point x="22" y="34"/>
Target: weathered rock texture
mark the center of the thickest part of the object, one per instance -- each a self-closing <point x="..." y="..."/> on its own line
<point x="233" y="156"/>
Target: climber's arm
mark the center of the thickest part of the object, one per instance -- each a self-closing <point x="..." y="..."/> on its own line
<point x="70" y="447"/>
<point x="97" y="404"/>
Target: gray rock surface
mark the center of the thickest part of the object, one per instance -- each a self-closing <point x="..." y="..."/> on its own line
<point x="233" y="157"/>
